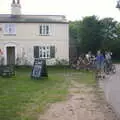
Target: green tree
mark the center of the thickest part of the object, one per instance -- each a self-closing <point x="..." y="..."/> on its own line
<point x="91" y="34"/>
<point x="109" y="27"/>
<point x="74" y="28"/>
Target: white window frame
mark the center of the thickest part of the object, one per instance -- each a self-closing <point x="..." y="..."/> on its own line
<point x="9" y="29"/>
<point x="44" y="51"/>
<point x="43" y="29"/>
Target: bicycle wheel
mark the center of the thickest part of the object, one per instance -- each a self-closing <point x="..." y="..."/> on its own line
<point x="113" y="69"/>
<point x="106" y="69"/>
<point x="97" y="75"/>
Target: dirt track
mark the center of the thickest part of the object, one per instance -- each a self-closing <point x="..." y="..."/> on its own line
<point x="83" y="103"/>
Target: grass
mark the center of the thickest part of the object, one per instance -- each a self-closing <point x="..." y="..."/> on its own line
<point x="22" y="98"/>
<point x="87" y="78"/>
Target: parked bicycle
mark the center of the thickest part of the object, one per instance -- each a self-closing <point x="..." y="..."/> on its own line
<point x="83" y="63"/>
<point x="109" y="68"/>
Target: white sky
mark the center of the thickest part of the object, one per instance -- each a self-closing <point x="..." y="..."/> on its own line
<point x="72" y="9"/>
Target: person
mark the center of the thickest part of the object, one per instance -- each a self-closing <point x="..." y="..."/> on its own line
<point x="108" y="58"/>
<point x="88" y="56"/>
<point x="80" y="61"/>
<point x="100" y="64"/>
<point x="92" y="60"/>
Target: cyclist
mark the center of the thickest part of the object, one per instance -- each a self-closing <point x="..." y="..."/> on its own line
<point x="88" y="55"/>
<point x="108" y="61"/>
<point x="100" y="64"/>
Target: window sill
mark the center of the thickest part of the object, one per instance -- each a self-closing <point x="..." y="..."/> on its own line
<point x="44" y="58"/>
<point x="9" y="34"/>
<point x="44" y="35"/>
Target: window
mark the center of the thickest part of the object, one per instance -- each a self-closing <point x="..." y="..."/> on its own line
<point x="44" y="30"/>
<point x="9" y="29"/>
<point x="44" y="51"/>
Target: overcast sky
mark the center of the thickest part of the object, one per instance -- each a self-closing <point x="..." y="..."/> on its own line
<point x="72" y="9"/>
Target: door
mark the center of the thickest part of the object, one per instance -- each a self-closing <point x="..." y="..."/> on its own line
<point x="10" y="55"/>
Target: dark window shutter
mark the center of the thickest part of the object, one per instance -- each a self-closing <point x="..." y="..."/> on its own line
<point x="36" y="51"/>
<point x="47" y="29"/>
<point x="52" y="51"/>
<point x="40" y="29"/>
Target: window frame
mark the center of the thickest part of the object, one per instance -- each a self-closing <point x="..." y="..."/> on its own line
<point x="7" y="27"/>
<point x="44" y="52"/>
<point x="44" y="29"/>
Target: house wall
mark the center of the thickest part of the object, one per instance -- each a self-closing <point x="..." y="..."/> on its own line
<point x="27" y="36"/>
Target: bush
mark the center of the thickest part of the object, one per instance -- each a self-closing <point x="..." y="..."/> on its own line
<point x="61" y="62"/>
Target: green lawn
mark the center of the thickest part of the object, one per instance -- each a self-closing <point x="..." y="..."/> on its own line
<point x="22" y="98"/>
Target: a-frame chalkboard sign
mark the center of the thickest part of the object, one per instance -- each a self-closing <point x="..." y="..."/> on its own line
<point x="39" y="69"/>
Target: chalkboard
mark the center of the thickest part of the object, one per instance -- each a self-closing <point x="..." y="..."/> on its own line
<point x="39" y="69"/>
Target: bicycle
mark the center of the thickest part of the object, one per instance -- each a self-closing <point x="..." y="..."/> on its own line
<point x="109" y="68"/>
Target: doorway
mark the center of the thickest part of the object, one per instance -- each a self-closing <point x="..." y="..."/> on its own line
<point x="10" y="55"/>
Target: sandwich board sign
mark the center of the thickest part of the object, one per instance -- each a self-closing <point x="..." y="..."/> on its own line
<point x="39" y="69"/>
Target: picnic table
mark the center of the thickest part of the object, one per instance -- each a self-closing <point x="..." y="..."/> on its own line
<point x="7" y="71"/>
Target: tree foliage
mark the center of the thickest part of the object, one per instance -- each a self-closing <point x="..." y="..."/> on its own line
<point x="74" y="38"/>
<point x="109" y="32"/>
<point x="91" y="34"/>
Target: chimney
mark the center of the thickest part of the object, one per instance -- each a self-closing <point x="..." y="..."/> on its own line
<point x="18" y="1"/>
<point x="13" y="2"/>
<point x="16" y="8"/>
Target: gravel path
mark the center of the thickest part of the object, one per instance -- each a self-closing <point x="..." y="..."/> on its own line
<point x="83" y="103"/>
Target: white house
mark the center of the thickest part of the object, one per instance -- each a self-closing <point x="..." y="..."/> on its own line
<point x="26" y="37"/>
